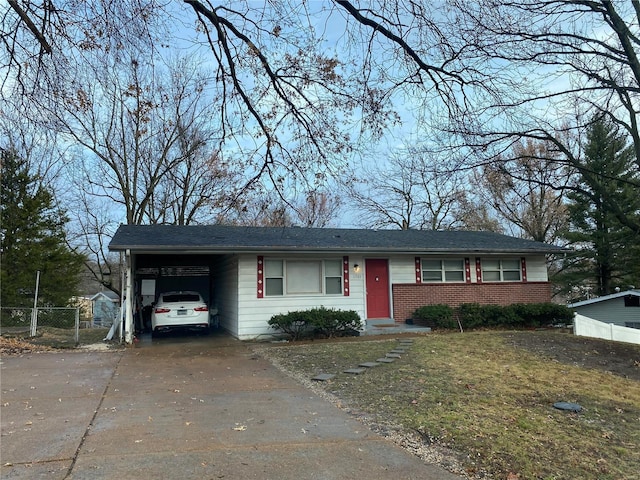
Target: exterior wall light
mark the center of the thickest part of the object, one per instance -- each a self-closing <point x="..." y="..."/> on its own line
<point x="356" y="268"/>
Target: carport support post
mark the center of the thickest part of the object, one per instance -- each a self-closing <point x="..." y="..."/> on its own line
<point x="128" y="313"/>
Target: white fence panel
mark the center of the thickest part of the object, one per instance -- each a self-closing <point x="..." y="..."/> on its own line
<point x="588" y="327"/>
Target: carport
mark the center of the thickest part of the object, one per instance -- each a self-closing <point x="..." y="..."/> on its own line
<point x="148" y="273"/>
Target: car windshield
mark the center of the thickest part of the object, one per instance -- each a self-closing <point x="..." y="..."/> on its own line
<point x="181" y="297"/>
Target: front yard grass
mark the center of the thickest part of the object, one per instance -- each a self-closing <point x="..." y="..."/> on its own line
<point x="490" y="401"/>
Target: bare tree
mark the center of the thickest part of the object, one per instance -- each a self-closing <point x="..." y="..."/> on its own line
<point x="144" y="138"/>
<point x="488" y="73"/>
<point x="557" y="65"/>
<point x="527" y="191"/>
<point x="42" y="42"/>
<point x="290" y="105"/>
<point x="409" y="191"/>
<point x="318" y="209"/>
<point x="92" y="227"/>
<point x="141" y="152"/>
<point x="267" y="208"/>
<point x="476" y="215"/>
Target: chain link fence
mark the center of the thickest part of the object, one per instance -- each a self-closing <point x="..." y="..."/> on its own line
<point x="57" y="326"/>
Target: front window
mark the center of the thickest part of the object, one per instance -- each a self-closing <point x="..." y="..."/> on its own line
<point x="303" y="277"/>
<point x="274" y="277"/>
<point x="333" y="277"/>
<point x="444" y="270"/>
<point x="501" y="270"/>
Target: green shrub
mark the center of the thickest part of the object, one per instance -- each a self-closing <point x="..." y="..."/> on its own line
<point x="435" y="316"/>
<point x="517" y="315"/>
<point x="543" y="314"/>
<point x="333" y="323"/>
<point x="293" y="324"/>
<point x="321" y="321"/>
<point x="471" y="315"/>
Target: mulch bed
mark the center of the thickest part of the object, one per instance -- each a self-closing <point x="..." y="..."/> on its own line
<point x="618" y="358"/>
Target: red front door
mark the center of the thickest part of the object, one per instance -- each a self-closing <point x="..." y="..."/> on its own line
<point x="377" y="280"/>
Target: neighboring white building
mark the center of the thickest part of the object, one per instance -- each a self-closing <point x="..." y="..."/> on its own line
<point x="622" y="308"/>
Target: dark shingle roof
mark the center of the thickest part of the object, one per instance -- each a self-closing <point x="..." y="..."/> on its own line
<point x="222" y="238"/>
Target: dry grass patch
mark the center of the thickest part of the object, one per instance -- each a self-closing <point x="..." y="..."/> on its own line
<point x="491" y="401"/>
<point x="59" y="338"/>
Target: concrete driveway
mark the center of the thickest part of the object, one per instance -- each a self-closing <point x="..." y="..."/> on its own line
<point x="181" y="408"/>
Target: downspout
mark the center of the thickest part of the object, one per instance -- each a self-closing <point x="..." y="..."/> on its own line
<point x="128" y="312"/>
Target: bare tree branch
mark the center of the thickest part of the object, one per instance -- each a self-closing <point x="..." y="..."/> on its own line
<point x="31" y="26"/>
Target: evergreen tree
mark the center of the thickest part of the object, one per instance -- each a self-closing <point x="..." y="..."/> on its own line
<point x="606" y="250"/>
<point x="33" y="238"/>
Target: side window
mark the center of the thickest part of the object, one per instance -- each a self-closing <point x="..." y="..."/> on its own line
<point x="631" y="301"/>
<point x="333" y="277"/>
<point x="431" y="271"/>
<point x="447" y="270"/>
<point x="274" y="277"/>
<point x="453" y="270"/>
<point x="501" y="270"/>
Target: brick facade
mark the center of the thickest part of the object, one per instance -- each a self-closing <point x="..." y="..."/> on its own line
<point x="408" y="296"/>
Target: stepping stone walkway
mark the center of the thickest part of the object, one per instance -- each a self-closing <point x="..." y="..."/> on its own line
<point x="369" y="364"/>
<point x="355" y="371"/>
<point x="392" y="356"/>
<point x="323" y="377"/>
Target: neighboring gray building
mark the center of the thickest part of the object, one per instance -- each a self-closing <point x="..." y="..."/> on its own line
<point x="622" y="308"/>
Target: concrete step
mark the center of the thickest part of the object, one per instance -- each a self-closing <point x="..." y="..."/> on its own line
<point x="386" y="326"/>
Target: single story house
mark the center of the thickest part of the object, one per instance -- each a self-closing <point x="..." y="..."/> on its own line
<point x="249" y="274"/>
<point x="620" y="308"/>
